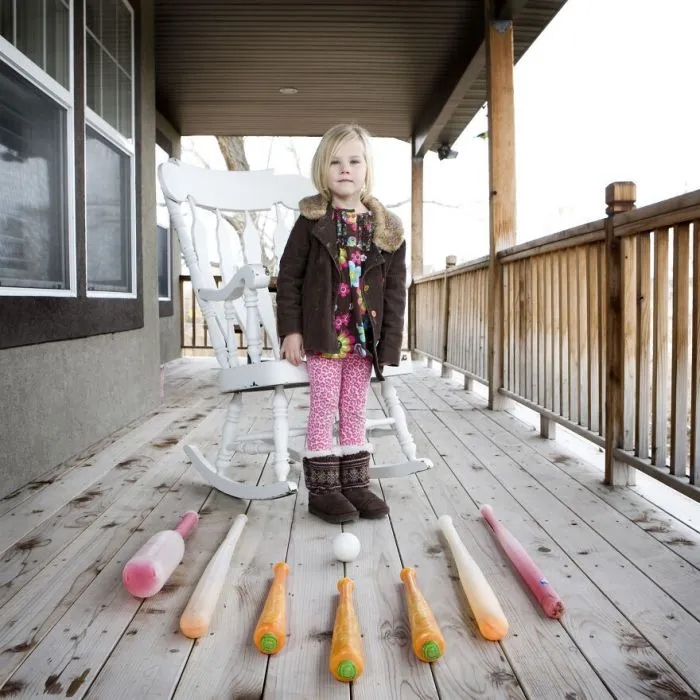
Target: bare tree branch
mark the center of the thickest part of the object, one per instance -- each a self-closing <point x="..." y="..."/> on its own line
<point x="233" y="151"/>
<point x="425" y="201"/>
<point x="293" y="148"/>
<point x="189" y="147"/>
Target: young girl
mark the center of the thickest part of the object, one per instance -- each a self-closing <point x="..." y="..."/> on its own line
<point x="341" y="295"/>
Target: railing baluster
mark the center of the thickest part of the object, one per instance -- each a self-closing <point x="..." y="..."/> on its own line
<point x="556" y="334"/>
<point x="679" y="355"/>
<point x="574" y="376"/>
<point x="194" y="312"/>
<point x="583" y="324"/>
<point x="546" y="343"/>
<point x="694" y="474"/>
<point x="564" y="334"/>
<point x="659" y="377"/>
<point x="602" y="290"/>
<point x="643" y="392"/>
<point x="522" y="331"/>
<point x="629" y="352"/>
<point x="593" y="339"/>
<point x="515" y="324"/>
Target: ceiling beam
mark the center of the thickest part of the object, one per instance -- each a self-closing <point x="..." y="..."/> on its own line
<point x="510" y="9"/>
<point x="452" y="88"/>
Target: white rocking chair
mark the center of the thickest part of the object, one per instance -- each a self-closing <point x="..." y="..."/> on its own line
<point x="243" y="300"/>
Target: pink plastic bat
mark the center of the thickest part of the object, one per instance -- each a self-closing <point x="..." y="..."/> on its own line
<point x="546" y="595"/>
<point x="148" y="570"/>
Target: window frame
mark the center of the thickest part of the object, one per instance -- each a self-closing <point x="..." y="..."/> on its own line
<point x="168" y="263"/>
<point x="31" y="320"/>
<point x="12" y="57"/>
<point x="166" y="307"/>
<point x="126" y="146"/>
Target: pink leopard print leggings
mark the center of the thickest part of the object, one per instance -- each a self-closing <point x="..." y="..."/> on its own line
<point x="337" y="386"/>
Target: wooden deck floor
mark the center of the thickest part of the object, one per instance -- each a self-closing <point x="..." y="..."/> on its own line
<point x="629" y="573"/>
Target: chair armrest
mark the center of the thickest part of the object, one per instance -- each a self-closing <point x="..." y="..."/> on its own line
<point x="251" y="276"/>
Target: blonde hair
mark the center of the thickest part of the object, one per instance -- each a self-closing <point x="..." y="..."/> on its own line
<point x="331" y="141"/>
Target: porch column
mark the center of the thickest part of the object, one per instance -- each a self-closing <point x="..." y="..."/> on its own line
<point x="501" y="140"/>
<point x="619" y="197"/>
<point x="416" y="243"/>
<point x="416" y="217"/>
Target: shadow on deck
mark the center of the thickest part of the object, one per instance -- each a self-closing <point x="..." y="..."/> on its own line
<point x="626" y="568"/>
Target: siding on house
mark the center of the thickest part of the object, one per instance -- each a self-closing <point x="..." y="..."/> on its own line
<point x="58" y="398"/>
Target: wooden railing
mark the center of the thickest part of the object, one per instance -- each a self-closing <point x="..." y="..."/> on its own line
<point x="194" y="336"/>
<point x="451" y="309"/>
<point x="554" y="327"/>
<point x="602" y="315"/>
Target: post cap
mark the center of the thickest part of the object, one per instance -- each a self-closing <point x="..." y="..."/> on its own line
<point x="620" y="196"/>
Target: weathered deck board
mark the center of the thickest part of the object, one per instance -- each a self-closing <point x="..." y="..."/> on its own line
<point x="46" y="502"/>
<point x="538" y="649"/>
<point x="591" y="622"/>
<point x="381" y="611"/>
<point x="152" y="632"/>
<point x="652" y="519"/>
<point x="67" y="627"/>
<point x="26" y="555"/>
<point x="470" y="667"/>
<point x="226" y="660"/>
<point x="652" y="558"/>
<point x="663" y="623"/>
<point x="658" y="617"/>
<point x="301" y="670"/>
<point x="46" y="606"/>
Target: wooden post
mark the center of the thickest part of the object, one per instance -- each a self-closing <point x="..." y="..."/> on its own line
<point x="412" y="320"/>
<point x="501" y="139"/>
<point x="450" y="262"/>
<point x="417" y="217"/>
<point x="619" y="197"/>
<point x="416" y="247"/>
<point x="548" y="428"/>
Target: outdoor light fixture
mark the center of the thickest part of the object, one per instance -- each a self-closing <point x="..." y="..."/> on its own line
<point x="288" y="90"/>
<point x="446" y="152"/>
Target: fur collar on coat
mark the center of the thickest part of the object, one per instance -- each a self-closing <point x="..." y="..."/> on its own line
<point x="388" y="229"/>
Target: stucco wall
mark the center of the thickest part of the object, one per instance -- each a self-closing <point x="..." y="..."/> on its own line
<point x="56" y="399"/>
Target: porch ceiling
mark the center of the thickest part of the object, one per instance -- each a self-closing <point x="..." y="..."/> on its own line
<point x="409" y="68"/>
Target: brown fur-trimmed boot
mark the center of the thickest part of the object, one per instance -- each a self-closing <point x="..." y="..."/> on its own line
<point x="322" y="478"/>
<point x="354" y="477"/>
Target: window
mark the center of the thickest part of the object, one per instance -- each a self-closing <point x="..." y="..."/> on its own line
<point x="40" y="30"/>
<point x="163" y="228"/>
<point x="64" y="276"/>
<point x="109" y="38"/>
<point x="108" y="226"/>
<point x="36" y="149"/>
<point x="163" y="263"/>
<point x="109" y="148"/>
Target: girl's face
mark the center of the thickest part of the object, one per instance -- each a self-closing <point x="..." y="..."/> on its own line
<point x="347" y="172"/>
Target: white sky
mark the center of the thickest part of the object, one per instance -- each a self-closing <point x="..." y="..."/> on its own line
<point x="608" y="92"/>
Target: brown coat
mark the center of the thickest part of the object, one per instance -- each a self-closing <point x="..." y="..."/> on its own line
<point x="308" y="281"/>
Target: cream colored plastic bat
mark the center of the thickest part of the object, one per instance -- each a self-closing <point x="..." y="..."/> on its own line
<point x="487" y="611"/>
<point x="197" y="616"/>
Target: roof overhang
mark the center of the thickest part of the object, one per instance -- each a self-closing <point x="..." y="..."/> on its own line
<point x="409" y="69"/>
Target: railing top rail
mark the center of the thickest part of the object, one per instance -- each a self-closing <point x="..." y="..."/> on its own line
<point x="587" y="233"/>
<point x="669" y="212"/>
<point x="476" y="264"/>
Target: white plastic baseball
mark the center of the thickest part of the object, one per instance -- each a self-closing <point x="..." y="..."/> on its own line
<point x="346" y="547"/>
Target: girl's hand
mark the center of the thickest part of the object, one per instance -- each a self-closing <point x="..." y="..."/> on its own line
<point x="292" y="348"/>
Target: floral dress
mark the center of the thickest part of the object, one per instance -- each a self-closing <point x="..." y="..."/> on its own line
<point x="350" y="318"/>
